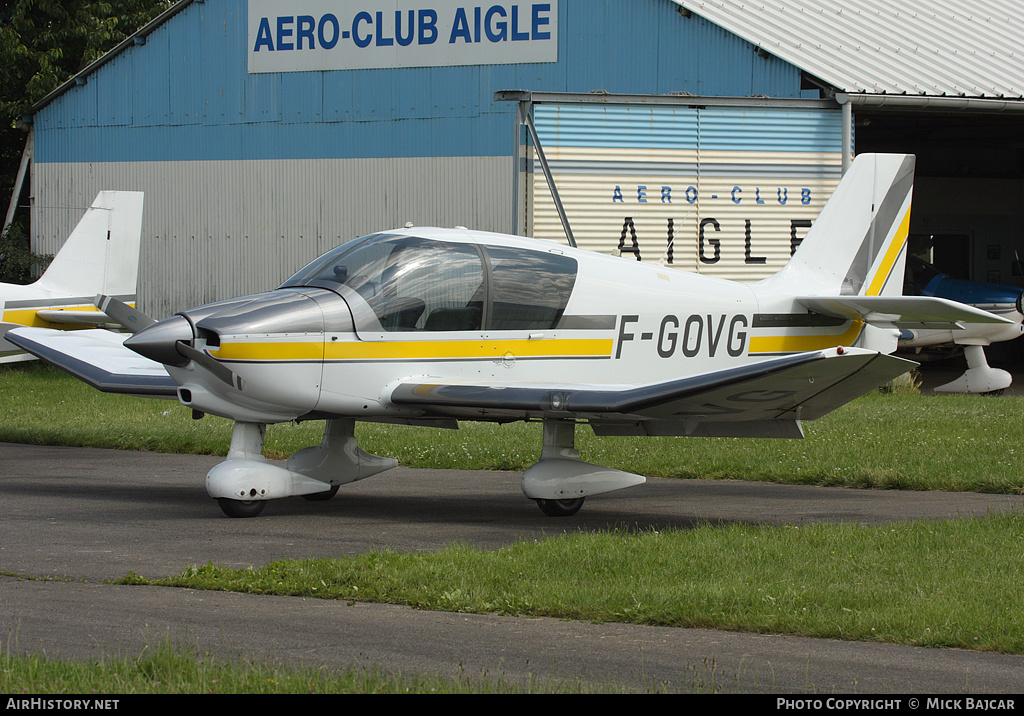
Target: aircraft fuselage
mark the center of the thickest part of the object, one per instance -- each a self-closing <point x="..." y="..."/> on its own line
<point x="336" y="339"/>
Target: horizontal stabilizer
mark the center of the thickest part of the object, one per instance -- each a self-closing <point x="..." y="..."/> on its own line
<point x="74" y="318"/>
<point x="804" y="386"/>
<point x="900" y="311"/>
<point x="98" y="358"/>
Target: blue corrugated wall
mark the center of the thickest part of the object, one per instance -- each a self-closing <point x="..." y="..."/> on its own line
<point x="185" y="94"/>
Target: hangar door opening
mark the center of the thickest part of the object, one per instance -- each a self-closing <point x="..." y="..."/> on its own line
<point x="969" y="181"/>
<point x="726" y="188"/>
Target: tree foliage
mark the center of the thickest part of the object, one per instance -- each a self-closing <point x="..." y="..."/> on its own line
<point x="17" y="263"/>
<point x="43" y="43"/>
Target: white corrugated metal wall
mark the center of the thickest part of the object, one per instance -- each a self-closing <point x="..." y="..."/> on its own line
<point x="268" y="218"/>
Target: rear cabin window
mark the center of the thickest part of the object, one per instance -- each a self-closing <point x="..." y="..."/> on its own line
<point x="529" y="289"/>
<point x="407" y="283"/>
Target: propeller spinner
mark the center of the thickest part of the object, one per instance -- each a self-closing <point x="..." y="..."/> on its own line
<point x="160" y="341"/>
<point x="170" y="342"/>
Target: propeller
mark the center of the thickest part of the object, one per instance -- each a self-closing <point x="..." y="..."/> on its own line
<point x="128" y="316"/>
<point x="218" y="369"/>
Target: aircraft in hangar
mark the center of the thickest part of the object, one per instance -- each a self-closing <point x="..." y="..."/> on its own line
<point x="101" y="256"/>
<point x="923" y="279"/>
<point x="433" y="326"/>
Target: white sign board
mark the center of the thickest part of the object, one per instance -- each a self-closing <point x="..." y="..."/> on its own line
<point x="360" y="34"/>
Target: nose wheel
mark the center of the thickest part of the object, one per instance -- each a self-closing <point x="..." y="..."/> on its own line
<point x="241" y="508"/>
<point x="560" y="508"/>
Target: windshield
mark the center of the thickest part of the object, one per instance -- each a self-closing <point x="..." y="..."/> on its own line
<point x="323" y="268"/>
<point x="918" y="275"/>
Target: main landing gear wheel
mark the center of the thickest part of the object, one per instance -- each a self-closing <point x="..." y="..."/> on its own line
<point x="241" y="508"/>
<point x="325" y="495"/>
<point x="560" y="508"/>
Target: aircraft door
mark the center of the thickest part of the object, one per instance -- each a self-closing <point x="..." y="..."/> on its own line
<point x="529" y="289"/>
<point x="407" y="286"/>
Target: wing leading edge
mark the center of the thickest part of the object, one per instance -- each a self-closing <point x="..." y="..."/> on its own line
<point x="97" y="357"/>
<point x="755" y="398"/>
<point x="763" y="399"/>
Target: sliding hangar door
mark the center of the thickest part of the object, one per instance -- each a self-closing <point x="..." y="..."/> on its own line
<point x="723" y="188"/>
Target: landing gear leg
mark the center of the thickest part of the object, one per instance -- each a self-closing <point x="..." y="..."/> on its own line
<point x="980" y="377"/>
<point x="243" y="482"/>
<point x="559" y="444"/>
<point x="560" y="480"/>
<point x="246" y="444"/>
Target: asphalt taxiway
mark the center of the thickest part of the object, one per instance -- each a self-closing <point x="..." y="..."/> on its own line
<point x="73" y="518"/>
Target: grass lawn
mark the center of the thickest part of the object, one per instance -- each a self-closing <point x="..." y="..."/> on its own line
<point x="942" y="442"/>
<point x="955" y="583"/>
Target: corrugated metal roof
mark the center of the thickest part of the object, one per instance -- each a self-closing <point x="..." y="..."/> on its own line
<point x="913" y="47"/>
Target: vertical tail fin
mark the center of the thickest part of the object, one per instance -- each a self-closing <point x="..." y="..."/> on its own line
<point x="850" y="268"/>
<point x="857" y="244"/>
<point x="102" y="253"/>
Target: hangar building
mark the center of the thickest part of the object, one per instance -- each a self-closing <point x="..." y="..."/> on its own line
<point x="703" y="134"/>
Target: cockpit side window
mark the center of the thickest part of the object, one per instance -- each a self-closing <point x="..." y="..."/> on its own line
<point x="429" y="285"/>
<point x="403" y="283"/>
<point x="919" y="274"/>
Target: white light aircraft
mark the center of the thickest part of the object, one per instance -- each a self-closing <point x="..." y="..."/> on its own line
<point x="101" y="256"/>
<point x="923" y="279"/>
<point x="432" y="326"/>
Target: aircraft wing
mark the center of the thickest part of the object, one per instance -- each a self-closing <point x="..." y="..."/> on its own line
<point x="900" y="311"/>
<point x="804" y="386"/>
<point x="98" y="358"/>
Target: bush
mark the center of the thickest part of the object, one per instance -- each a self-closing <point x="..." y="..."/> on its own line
<point x="17" y="262"/>
<point x="906" y="384"/>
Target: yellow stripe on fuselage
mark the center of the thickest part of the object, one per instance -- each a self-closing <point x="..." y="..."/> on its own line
<point x="800" y="344"/>
<point x="414" y="350"/>
<point x="270" y="351"/>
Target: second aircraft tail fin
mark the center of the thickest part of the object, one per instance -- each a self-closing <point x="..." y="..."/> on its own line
<point x="101" y="256"/>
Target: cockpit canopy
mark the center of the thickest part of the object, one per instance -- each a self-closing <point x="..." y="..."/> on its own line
<point x="396" y="282"/>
